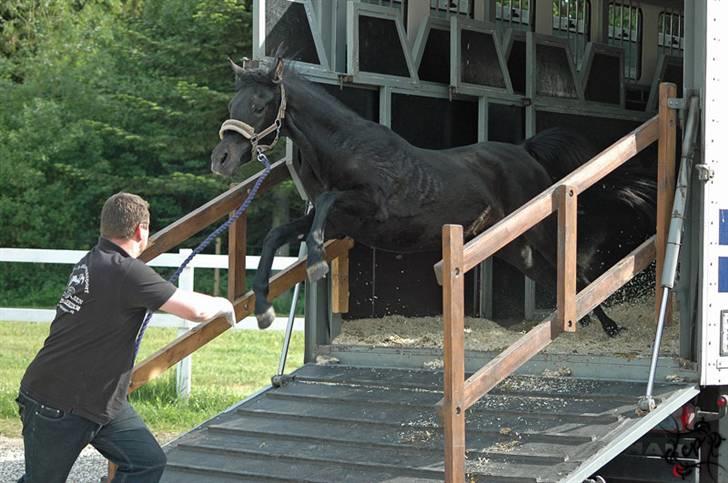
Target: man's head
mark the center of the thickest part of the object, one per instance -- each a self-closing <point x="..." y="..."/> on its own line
<point x="125" y="221"/>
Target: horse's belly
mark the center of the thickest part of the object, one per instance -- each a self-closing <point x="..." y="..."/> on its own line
<point x="398" y="235"/>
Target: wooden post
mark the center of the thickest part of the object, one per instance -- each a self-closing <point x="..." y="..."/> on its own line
<point x="111" y="471"/>
<point x="453" y="307"/>
<point x="340" y="284"/>
<point x="216" y="285"/>
<point x="566" y="264"/>
<point x="237" y="242"/>
<point x="184" y="367"/>
<point x="665" y="185"/>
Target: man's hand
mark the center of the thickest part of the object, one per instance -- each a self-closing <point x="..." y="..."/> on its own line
<point x="199" y="307"/>
<point x="226" y="310"/>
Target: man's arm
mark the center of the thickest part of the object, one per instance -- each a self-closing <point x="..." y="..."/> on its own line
<point x="198" y="307"/>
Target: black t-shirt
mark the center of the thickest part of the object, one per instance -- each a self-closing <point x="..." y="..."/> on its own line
<point x="84" y="366"/>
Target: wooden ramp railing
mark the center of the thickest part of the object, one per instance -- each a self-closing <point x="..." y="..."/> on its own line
<point x="244" y="303"/>
<point x="460" y="394"/>
<point x="201" y="334"/>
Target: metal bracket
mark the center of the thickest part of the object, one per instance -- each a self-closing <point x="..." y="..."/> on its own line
<point x="678" y="103"/>
<point x="646" y="405"/>
<point x="705" y="172"/>
<point x="280" y="380"/>
<point x="345" y="79"/>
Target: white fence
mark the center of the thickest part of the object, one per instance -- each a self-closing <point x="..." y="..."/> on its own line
<point x="174" y="260"/>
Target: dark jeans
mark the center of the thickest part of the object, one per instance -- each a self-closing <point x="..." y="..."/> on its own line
<point x="54" y="439"/>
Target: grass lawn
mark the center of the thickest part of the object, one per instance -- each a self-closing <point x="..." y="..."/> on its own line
<point x="223" y="372"/>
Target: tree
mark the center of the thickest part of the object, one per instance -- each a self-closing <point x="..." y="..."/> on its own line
<point x="98" y="96"/>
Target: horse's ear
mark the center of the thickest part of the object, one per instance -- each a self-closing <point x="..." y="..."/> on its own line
<point x="239" y="71"/>
<point x="278" y="70"/>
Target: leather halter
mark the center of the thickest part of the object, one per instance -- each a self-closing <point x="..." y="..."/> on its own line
<point x="248" y="131"/>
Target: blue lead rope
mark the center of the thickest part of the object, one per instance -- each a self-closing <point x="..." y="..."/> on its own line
<point x="261" y="157"/>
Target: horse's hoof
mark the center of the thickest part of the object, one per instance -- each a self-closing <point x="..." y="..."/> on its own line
<point x="614" y="330"/>
<point x="317" y="271"/>
<point x="266" y="318"/>
<point x="585" y="321"/>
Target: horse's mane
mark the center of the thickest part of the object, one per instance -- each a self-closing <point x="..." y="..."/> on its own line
<point x="330" y="106"/>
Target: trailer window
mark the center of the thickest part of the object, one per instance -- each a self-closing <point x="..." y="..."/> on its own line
<point x="513" y="14"/>
<point x="398" y="4"/>
<point x="572" y="21"/>
<point x="625" y="31"/>
<point x="671" y="33"/>
<point x="447" y="8"/>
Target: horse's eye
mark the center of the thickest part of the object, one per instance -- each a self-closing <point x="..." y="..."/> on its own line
<point x="257" y="109"/>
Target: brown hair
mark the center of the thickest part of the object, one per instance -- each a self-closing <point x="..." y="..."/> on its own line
<point x="121" y="214"/>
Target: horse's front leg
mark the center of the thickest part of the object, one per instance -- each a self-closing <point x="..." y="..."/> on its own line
<point x="316" y="267"/>
<point x="352" y="209"/>
<point x="275" y="239"/>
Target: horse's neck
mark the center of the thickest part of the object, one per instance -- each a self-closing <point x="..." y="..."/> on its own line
<point x="311" y="119"/>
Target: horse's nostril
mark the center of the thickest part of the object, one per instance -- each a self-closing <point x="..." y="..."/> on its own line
<point x="223" y="158"/>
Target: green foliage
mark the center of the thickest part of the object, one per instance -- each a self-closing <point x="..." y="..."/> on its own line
<point x="223" y="372"/>
<point x="98" y="96"/>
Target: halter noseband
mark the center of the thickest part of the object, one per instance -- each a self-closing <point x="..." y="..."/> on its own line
<point x="248" y="131"/>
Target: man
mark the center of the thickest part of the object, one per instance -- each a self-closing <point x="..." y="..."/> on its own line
<point x="74" y="392"/>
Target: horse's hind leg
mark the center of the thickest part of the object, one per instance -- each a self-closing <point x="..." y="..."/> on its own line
<point x="521" y="255"/>
<point x="611" y="328"/>
<point x="532" y="263"/>
<point x="275" y="239"/>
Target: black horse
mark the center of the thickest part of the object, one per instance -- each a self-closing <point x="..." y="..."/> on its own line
<point x="368" y="183"/>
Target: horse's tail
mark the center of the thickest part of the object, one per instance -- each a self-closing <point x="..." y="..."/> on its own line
<point x="560" y="151"/>
<point x="634" y="189"/>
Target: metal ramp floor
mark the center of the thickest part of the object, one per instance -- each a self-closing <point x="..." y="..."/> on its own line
<point x="338" y="423"/>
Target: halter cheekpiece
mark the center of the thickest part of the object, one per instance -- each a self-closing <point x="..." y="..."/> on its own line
<point x="248" y="131"/>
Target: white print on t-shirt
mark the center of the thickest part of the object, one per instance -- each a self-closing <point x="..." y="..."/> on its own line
<point x="78" y="283"/>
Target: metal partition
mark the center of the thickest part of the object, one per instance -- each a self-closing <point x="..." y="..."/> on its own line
<point x="550" y="69"/>
<point x="377" y="48"/>
<point x="669" y="69"/>
<point x="602" y="74"/>
<point x="477" y="65"/>
<point x="294" y="26"/>
<point x="431" y="51"/>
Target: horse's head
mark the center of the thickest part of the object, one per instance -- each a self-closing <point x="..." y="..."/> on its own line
<point x="256" y="113"/>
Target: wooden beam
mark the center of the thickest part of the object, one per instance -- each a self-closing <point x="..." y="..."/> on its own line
<point x="521" y="351"/>
<point x="541" y="206"/>
<point x="453" y="303"/>
<point x="201" y="334"/>
<point x="566" y="260"/>
<point x="196" y="221"/>
<point x="237" y="249"/>
<point x="508" y="361"/>
<point x="665" y="186"/>
<point x="340" y="284"/>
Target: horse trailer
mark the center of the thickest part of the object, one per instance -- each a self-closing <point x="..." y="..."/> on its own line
<point x="381" y="397"/>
